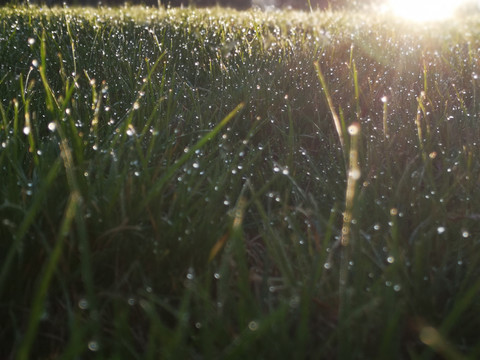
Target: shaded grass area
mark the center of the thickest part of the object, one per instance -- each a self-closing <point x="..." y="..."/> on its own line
<point x="173" y="185"/>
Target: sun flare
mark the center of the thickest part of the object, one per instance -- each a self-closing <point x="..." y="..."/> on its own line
<point x="425" y="10"/>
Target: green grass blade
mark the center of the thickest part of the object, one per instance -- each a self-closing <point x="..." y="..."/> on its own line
<point x="38" y="302"/>
<point x="158" y="186"/>
<point x="28" y="220"/>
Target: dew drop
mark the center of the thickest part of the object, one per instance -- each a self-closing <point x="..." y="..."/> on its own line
<point x="93" y="345"/>
<point x="354" y="174"/>
<point x="191" y="274"/>
<point x="83" y="304"/>
<point x="354" y="129"/>
<point x="130" y="130"/>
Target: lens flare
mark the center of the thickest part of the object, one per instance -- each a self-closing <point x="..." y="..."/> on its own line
<point x="426" y="10"/>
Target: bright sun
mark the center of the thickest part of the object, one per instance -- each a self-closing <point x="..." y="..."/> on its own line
<point x="425" y="10"/>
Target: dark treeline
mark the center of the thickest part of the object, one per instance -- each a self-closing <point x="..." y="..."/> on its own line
<point x="237" y="4"/>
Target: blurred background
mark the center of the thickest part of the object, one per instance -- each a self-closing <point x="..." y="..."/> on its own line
<point x="438" y="9"/>
<point x="237" y="4"/>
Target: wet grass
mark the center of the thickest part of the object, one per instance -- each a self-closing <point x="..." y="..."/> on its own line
<point x="220" y="184"/>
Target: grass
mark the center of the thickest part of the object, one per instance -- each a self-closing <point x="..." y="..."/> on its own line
<point x="192" y="183"/>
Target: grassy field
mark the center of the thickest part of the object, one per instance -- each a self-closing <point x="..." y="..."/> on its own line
<point x="212" y="184"/>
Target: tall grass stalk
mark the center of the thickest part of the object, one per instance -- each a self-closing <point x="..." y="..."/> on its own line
<point x="386" y="134"/>
<point x="331" y="106"/>
<point x="346" y="245"/>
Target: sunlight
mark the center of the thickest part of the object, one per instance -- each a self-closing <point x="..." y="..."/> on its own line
<point x="425" y="10"/>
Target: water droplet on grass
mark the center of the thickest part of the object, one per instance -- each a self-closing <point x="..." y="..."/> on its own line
<point x="191" y="274"/>
<point x="354" y="129"/>
<point x="83" y="304"/>
<point x="253" y="325"/>
<point x="130" y="130"/>
<point x="93" y="345"/>
<point x="354" y="174"/>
